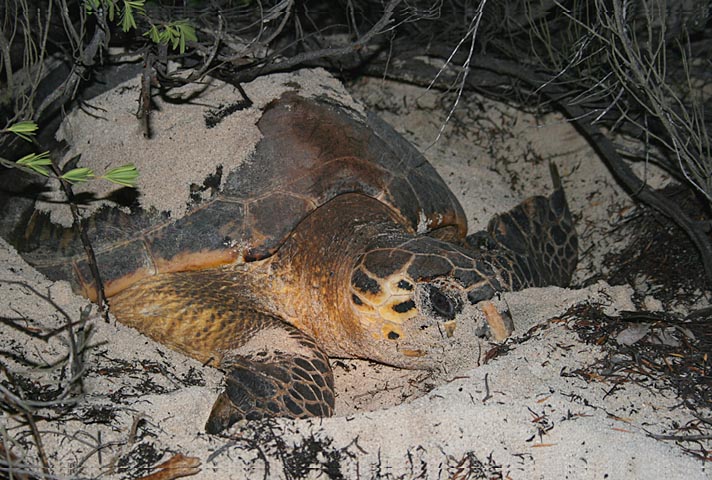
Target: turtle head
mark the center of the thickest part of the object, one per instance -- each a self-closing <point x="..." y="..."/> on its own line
<point x="415" y="300"/>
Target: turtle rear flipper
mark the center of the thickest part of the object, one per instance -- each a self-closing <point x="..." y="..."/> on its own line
<point x="532" y="245"/>
<point x="279" y="372"/>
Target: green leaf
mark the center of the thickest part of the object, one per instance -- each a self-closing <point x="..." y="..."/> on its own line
<point x="186" y="33"/>
<point x="36" y="162"/>
<point x="81" y="174"/>
<point x="127" y="15"/>
<point x="169" y="35"/>
<point x="112" y="10"/>
<point x="127" y="20"/>
<point x="125" y="175"/>
<point x="175" y="34"/>
<point x="25" y="130"/>
<point x="137" y="5"/>
<point x="153" y="34"/>
<point x="92" y="5"/>
<point x="187" y="30"/>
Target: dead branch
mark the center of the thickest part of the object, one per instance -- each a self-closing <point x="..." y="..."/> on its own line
<point x="69" y="87"/>
<point x="271" y="64"/>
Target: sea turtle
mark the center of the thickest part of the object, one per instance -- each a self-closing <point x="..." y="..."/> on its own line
<point x="337" y="238"/>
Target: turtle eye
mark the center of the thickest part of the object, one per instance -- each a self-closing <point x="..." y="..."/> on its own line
<point x="441" y="304"/>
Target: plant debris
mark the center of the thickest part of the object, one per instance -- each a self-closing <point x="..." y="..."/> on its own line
<point x="655" y="350"/>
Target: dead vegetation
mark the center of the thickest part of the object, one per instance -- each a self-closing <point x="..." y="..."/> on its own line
<point x="658" y="351"/>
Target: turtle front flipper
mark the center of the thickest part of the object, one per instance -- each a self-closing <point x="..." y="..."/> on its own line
<point x="279" y="372"/>
<point x="218" y="317"/>
<point x="532" y="245"/>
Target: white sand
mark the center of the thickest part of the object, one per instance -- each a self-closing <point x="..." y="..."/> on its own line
<point x="107" y="134"/>
<point x="517" y="415"/>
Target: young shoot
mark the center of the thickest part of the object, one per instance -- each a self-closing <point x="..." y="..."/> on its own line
<point x="175" y="33"/>
<point x="25" y="130"/>
<point x="39" y="163"/>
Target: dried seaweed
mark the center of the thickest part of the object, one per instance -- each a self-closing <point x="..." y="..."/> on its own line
<point x="654" y="350"/>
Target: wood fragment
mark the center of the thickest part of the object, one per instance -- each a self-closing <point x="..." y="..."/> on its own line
<point x="623" y="430"/>
<point x="487" y="389"/>
<point x="175" y="467"/>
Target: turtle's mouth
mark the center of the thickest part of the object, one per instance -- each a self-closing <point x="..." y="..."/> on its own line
<point x="448" y="328"/>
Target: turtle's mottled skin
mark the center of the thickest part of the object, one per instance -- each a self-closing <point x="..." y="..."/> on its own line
<point x="310" y="249"/>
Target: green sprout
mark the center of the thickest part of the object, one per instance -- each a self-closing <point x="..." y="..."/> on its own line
<point x="125" y="175"/>
<point x="127" y="14"/>
<point x="174" y="33"/>
<point x="78" y="175"/>
<point x="36" y="162"/>
<point x="94" y="5"/>
<point x="25" y="130"/>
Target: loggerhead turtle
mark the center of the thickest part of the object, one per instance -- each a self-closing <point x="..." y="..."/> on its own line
<point x="337" y="239"/>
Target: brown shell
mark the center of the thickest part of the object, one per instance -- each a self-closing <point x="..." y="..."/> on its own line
<point x="311" y="151"/>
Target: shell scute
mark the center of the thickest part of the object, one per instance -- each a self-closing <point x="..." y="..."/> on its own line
<point x="384" y="263"/>
<point x="427" y="266"/>
<point x="270" y="220"/>
<point x="215" y="226"/>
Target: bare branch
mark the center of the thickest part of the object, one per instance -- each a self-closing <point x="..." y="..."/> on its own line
<point x="269" y="66"/>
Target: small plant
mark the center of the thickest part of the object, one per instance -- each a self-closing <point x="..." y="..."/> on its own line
<point x="175" y="33"/>
<point x="39" y="163"/>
